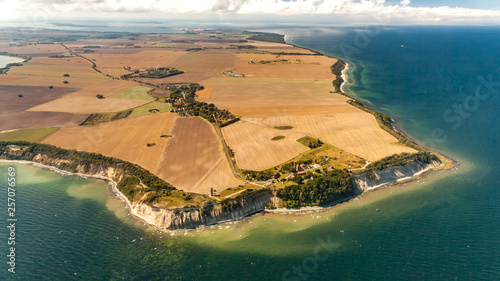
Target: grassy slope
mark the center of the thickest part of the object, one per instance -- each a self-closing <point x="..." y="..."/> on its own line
<point x="144" y="110"/>
<point x="31" y="135"/>
<point x="136" y="92"/>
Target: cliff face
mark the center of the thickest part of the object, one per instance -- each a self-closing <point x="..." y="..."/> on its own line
<point x="180" y="218"/>
<point x="211" y="213"/>
<point x="94" y="170"/>
<point x="374" y="179"/>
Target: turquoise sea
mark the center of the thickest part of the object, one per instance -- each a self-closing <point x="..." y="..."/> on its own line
<point x="439" y="83"/>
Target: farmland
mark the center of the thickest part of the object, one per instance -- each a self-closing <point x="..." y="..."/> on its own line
<point x="254" y="148"/>
<point x="14" y="116"/>
<point x="198" y="66"/>
<point x="114" y="61"/>
<point x="256" y="92"/>
<point x="87" y="105"/>
<point x="283" y="67"/>
<point x="32" y="135"/>
<point x="109" y="88"/>
<point x="135" y="92"/>
<point x="356" y="132"/>
<point x="147" y="109"/>
<point x="118" y="95"/>
<point x="126" y="139"/>
<point x="194" y="160"/>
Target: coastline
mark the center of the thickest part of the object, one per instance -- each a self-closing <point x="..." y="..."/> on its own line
<point x="112" y="183"/>
<point x="135" y="211"/>
<point x="344" y="77"/>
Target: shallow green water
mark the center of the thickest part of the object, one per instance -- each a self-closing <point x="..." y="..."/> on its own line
<point x="443" y="227"/>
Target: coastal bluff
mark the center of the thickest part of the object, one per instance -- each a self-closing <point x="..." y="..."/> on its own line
<point x="186" y="216"/>
<point x="374" y="179"/>
<point x="211" y="213"/>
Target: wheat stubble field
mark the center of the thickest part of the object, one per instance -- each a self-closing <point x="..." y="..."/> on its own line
<point x="126" y="139"/>
<point x="194" y="160"/>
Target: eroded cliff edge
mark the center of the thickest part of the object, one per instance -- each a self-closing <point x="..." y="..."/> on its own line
<point x="123" y="175"/>
<point x="373" y="179"/>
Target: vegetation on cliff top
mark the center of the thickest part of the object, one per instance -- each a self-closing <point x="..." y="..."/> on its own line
<point x="402" y="160"/>
<point x="333" y="186"/>
<point x="337" y="69"/>
<point x="268" y="37"/>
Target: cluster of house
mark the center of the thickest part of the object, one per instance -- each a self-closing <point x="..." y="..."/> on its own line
<point x="182" y="111"/>
<point x="300" y="169"/>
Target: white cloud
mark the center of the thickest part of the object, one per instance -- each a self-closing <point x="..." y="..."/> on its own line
<point x="171" y="8"/>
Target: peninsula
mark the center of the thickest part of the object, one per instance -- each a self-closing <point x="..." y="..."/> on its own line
<point x="201" y="126"/>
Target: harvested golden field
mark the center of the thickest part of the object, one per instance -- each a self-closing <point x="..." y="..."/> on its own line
<point x="198" y="66"/>
<point x="278" y="47"/>
<point x="35" y="50"/>
<point x="45" y="72"/>
<point x="355" y="132"/>
<point x="194" y="159"/>
<point x="254" y="148"/>
<point x="296" y="67"/>
<point x="56" y="67"/>
<point x="173" y="45"/>
<point x="126" y="139"/>
<point x="56" y="82"/>
<point x="212" y="45"/>
<point x="103" y="43"/>
<point x="247" y="92"/>
<point x="108" y="89"/>
<point x="265" y="111"/>
<point x="83" y="104"/>
<point x="113" y="64"/>
<point x="205" y="93"/>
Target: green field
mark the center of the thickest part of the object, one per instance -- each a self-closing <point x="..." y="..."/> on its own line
<point x="31" y="135"/>
<point x="136" y="92"/>
<point x="144" y="110"/>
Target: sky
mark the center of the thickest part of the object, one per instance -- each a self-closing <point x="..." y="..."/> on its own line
<point x="397" y="11"/>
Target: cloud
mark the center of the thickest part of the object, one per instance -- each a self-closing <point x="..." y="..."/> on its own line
<point x="401" y="10"/>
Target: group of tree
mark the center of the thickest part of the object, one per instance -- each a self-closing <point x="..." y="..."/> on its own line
<point x="258" y="175"/>
<point x="267" y="37"/>
<point x="335" y="185"/>
<point x="337" y="69"/>
<point x="156" y="73"/>
<point x="402" y="160"/>
<point x="183" y="96"/>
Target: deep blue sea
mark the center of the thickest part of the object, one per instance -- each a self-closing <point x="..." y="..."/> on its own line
<point x="441" y="84"/>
